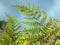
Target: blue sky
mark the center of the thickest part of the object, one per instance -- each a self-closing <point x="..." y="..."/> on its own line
<point x="52" y="7"/>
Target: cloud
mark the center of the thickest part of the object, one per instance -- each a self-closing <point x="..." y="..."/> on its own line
<point x="2" y="11"/>
<point x="55" y="10"/>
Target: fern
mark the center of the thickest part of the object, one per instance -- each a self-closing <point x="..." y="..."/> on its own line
<point x="11" y="32"/>
<point x="37" y="21"/>
<point x="40" y="33"/>
<point x="34" y="16"/>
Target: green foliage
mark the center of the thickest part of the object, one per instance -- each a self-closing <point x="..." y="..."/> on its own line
<point x="40" y="29"/>
<point x="41" y="32"/>
<point x="2" y="23"/>
<point x="11" y="32"/>
<point x="33" y="15"/>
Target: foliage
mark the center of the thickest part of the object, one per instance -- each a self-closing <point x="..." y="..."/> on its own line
<point x="11" y="32"/>
<point x="2" y="23"/>
<point x="41" y="32"/>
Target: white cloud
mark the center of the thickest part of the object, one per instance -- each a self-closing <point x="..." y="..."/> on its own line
<point x="55" y="10"/>
<point x="2" y="11"/>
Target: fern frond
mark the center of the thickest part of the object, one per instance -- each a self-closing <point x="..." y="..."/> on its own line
<point x="12" y="34"/>
<point x="35" y="15"/>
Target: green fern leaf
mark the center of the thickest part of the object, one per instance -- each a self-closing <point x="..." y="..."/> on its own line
<point x="28" y="6"/>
